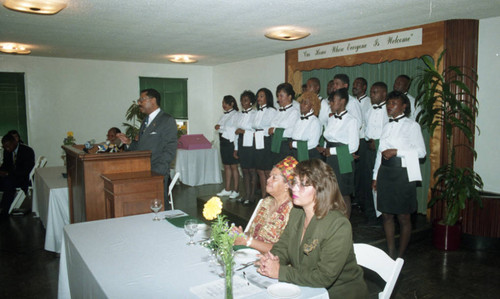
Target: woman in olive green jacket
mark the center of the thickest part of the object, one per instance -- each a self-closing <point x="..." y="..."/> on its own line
<point x="316" y="249"/>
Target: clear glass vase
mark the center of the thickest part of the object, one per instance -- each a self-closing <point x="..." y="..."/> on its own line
<point x="228" y="271"/>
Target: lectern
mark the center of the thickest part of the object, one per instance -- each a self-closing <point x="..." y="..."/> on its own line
<point x="85" y="185"/>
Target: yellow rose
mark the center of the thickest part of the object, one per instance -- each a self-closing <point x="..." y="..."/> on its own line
<point x="212" y="208"/>
<point x="70" y="134"/>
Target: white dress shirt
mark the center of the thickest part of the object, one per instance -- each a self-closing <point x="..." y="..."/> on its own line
<point x="376" y="118"/>
<point x="286" y="119"/>
<point x="365" y="104"/>
<point x="263" y="118"/>
<point x="307" y="130"/>
<point x="345" y="131"/>
<point x="404" y="135"/>
<point x="414" y="111"/>
<point x="227" y="123"/>
<point x="324" y="112"/>
<point x="244" y="121"/>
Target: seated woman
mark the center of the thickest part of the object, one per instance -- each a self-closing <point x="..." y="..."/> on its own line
<point x="316" y="248"/>
<point x="272" y="217"/>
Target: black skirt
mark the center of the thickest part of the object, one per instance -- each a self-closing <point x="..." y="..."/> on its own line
<point x="263" y="157"/>
<point x="246" y="155"/>
<point x="285" y="151"/>
<point x="313" y="154"/>
<point x="226" y="151"/>
<point x="395" y="195"/>
<point x="346" y="180"/>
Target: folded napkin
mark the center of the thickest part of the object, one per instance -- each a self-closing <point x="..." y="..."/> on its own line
<point x="179" y="221"/>
<point x="238" y="247"/>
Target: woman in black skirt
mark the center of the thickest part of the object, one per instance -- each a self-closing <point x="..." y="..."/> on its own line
<point x="397" y="171"/>
<point x="342" y="141"/>
<point x="262" y="140"/>
<point x="244" y="150"/>
<point x="226" y="127"/>
<point x="282" y="125"/>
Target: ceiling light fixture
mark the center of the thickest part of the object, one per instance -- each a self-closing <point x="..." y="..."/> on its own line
<point x="286" y="33"/>
<point x="13" y="48"/>
<point x="44" y="7"/>
<point x="181" y="58"/>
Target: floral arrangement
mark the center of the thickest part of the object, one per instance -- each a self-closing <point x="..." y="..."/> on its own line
<point x="70" y="139"/>
<point x="221" y="238"/>
<point x="181" y="130"/>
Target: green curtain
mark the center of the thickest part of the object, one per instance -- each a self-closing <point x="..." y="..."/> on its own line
<point x="385" y="72"/>
<point x="13" y="103"/>
<point x="173" y="94"/>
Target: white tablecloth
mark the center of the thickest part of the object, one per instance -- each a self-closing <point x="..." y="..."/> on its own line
<point x="50" y="202"/>
<point x="135" y="257"/>
<point x="198" y="167"/>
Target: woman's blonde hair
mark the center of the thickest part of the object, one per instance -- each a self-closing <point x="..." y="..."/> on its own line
<point x="321" y="176"/>
<point x="313" y="98"/>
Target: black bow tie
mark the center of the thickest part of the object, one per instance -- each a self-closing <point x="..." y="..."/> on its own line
<point x="261" y="109"/>
<point x="378" y="106"/>
<point x="285" y="108"/>
<point x="340" y="115"/>
<point x="246" y="111"/>
<point x="396" y="119"/>
<point x="226" y="112"/>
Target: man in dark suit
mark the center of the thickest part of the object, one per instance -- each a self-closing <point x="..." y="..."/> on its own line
<point x="158" y="133"/>
<point x="18" y="161"/>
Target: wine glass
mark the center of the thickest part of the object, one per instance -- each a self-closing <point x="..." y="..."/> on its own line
<point x="156" y="205"/>
<point x="190" y="227"/>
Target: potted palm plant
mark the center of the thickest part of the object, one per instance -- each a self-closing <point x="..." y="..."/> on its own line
<point x="447" y="103"/>
<point x="135" y="116"/>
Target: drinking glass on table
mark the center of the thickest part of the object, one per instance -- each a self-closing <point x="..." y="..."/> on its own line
<point x="156" y="205"/>
<point x="191" y="227"/>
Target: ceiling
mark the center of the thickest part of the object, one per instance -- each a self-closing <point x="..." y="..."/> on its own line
<point x="215" y="31"/>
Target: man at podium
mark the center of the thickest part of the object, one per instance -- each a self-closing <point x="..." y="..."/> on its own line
<point x="158" y="133"/>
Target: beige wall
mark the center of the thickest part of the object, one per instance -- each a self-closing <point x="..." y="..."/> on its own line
<point x="88" y="97"/>
<point x="487" y="143"/>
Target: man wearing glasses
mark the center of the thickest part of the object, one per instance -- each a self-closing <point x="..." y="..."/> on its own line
<point x="158" y="133"/>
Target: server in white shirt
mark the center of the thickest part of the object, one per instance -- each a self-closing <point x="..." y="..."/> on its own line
<point x="397" y="170"/>
<point x="226" y="127"/>
<point x="376" y="118"/>
<point x="262" y="141"/>
<point x="353" y="106"/>
<point x="341" y="141"/>
<point x="308" y="129"/>
<point x="402" y="84"/>
<point x="359" y="87"/>
<point x="285" y="119"/>
<point x="244" y="150"/>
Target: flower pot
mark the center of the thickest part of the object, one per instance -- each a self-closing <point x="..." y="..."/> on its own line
<point x="446" y="237"/>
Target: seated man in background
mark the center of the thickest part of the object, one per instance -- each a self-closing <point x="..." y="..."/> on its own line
<point x="18" y="161"/>
<point x="111" y="136"/>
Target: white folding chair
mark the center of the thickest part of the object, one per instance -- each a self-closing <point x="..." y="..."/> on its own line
<point x="20" y="195"/>
<point x="253" y="215"/>
<point x="171" y="186"/>
<point x="377" y="260"/>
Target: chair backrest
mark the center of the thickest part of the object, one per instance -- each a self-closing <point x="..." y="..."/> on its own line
<point x="172" y="183"/>
<point x="40" y="163"/>
<point x="253" y="215"/>
<point x="171" y="187"/>
<point x="377" y="260"/>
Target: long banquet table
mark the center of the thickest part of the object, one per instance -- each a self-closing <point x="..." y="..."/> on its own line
<point x="134" y="257"/>
<point x="51" y="204"/>
<point x="198" y="167"/>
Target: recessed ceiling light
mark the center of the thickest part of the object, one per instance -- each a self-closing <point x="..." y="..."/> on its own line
<point x="181" y="58"/>
<point x="13" y="48"/>
<point x="45" y="7"/>
<point x="286" y="33"/>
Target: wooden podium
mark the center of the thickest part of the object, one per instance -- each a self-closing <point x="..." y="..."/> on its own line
<point x="85" y="185"/>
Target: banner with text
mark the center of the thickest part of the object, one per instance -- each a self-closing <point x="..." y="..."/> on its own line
<point x="370" y="44"/>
